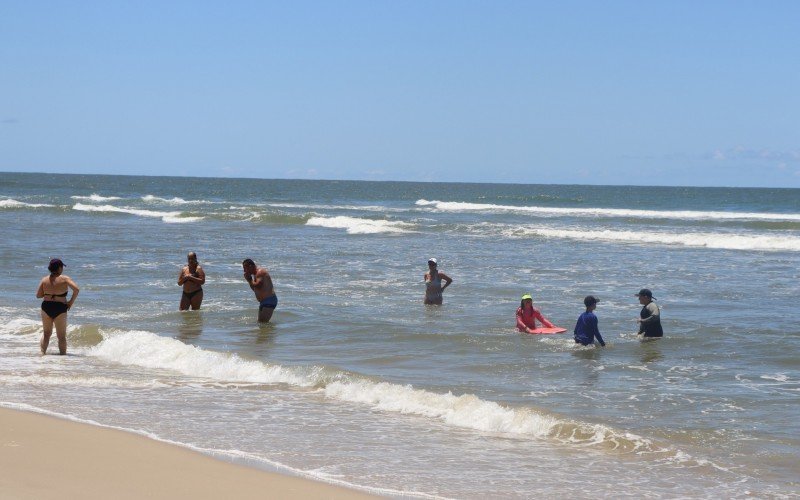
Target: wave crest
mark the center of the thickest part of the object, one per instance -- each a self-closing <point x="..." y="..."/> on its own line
<point x="355" y="225"/>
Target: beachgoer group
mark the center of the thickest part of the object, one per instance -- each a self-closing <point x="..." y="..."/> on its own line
<point x="54" y="290"/>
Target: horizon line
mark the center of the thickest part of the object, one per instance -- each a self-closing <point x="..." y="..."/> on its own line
<point x="401" y="181"/>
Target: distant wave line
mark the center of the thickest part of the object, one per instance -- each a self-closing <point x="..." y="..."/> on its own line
<point x="168" y="217"/>
<point x="96" y="197"/>
<point x="708" y="240"/>
<point x="11" y="203"/>
<point x="454" y="206"/>
<point x="356" y="225"/>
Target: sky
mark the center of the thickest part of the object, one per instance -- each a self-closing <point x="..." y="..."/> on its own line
<point x="699" y="93"/>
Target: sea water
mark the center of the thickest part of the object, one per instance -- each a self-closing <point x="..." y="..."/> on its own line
<point x="356" y="382"/>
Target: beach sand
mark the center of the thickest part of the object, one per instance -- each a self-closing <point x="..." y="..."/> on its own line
<point x="43" y="457"/>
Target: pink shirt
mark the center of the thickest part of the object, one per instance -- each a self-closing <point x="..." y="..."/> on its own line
<point x="527" y="319"/>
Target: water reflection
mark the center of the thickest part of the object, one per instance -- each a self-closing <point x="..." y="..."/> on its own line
<point x="589" y="364"/>
<point x="191" y="325"/>
<point x="651" y="351"/>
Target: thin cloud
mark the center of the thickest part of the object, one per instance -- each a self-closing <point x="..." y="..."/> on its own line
<point x="742" y="153"/>
<point x="9" y="121"/>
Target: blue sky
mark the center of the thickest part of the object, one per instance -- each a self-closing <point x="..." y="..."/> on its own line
<point x="619" y="92"/>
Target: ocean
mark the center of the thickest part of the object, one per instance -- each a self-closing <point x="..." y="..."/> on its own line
<point x="356" y="382"/>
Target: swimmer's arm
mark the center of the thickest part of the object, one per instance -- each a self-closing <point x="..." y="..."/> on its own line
<point x="593" y="324"/>
<point x="200" y="279"/>
<point x="75" y="291"/>
<point x="182" y="276"/>
<point x="40" y="290"/>
<point x="201" y="276"/>
<point x="654" y="314"/>
<point x="544" y="320"/>
<point x="254" y="280"/>
<point x="447" y="280"/>
<point x="521" y="326"/>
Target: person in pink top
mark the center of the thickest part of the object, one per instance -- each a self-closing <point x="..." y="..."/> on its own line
<point x="527" y="315"/>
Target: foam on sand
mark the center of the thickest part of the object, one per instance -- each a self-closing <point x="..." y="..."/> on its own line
<point x="355" y="225"/>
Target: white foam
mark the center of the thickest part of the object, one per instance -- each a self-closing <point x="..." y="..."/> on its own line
<point x="40" y="379"/>
<point x="355" y="225"/>
<point x="11" y="203"/>
<point x="466" y="411"/>
<point x="18" y="326"/>
<point x="171" y="201"/>
<point x="708" y="240"/>
<point x="152" y="351"/>
<point x="96" y="198"/>
<point x="366" y="208"/>
<point x="454" y="206"/>
<point x="169" y="217"/>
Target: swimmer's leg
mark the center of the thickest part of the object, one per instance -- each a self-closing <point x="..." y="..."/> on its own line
<point x="265" y="314"/>
<point x="197" y="300"/>
<point x="61" y="332"/>
<point x="47" y="326"/>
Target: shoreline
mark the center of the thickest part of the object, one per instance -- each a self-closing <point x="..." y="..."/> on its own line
<point x="46" y="457"/>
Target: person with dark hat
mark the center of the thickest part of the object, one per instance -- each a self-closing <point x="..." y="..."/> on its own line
<point x="433" y="283"/>
<point x="650" y="315"/>
<point x="586" y="329"/>
<point x="53" y="289"/>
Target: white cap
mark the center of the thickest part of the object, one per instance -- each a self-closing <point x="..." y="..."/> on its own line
<point x="432" y="259"/>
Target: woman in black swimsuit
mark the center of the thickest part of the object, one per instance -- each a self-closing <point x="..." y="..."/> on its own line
<point x="53" y="289"/>
<point x="192" y="278"/>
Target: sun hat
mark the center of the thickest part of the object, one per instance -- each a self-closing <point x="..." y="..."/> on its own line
<point x="527" y="296"/>
<point x="646" y="292"/>
<point x="433" y="259"/>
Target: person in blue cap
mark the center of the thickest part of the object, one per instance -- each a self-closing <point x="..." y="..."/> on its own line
<point x="649" y="316"/>
<point x="586" y="329"/>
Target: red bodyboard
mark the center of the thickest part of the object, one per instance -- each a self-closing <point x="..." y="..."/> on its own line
<point x="547" y="331"/>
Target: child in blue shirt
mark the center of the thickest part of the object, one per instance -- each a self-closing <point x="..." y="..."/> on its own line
<point x="586" y="328"/>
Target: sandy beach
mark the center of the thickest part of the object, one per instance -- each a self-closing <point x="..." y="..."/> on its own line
<point x="44" y="457"/>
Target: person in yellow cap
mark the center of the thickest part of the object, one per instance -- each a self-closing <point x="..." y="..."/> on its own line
<point x="527" y="315"/>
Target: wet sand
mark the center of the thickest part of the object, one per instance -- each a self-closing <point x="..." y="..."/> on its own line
<point x="43" y="457"/>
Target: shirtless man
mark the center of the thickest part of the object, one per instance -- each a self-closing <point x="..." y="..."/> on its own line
<point x="192" y="278"/>
<point x="53" y="289"/>
<point x="260" y="282"/>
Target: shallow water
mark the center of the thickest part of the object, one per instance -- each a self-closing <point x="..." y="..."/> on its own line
<point x="355" y="381"/>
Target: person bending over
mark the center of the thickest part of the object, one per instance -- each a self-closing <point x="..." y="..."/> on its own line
<point x="261" y="283"/>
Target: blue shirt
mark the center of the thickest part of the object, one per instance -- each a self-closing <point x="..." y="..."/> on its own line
<point x="586" y="329"/>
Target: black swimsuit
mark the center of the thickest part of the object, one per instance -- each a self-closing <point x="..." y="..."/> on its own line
<point x="53" y="308"/>
<point x="189" y="295"/>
